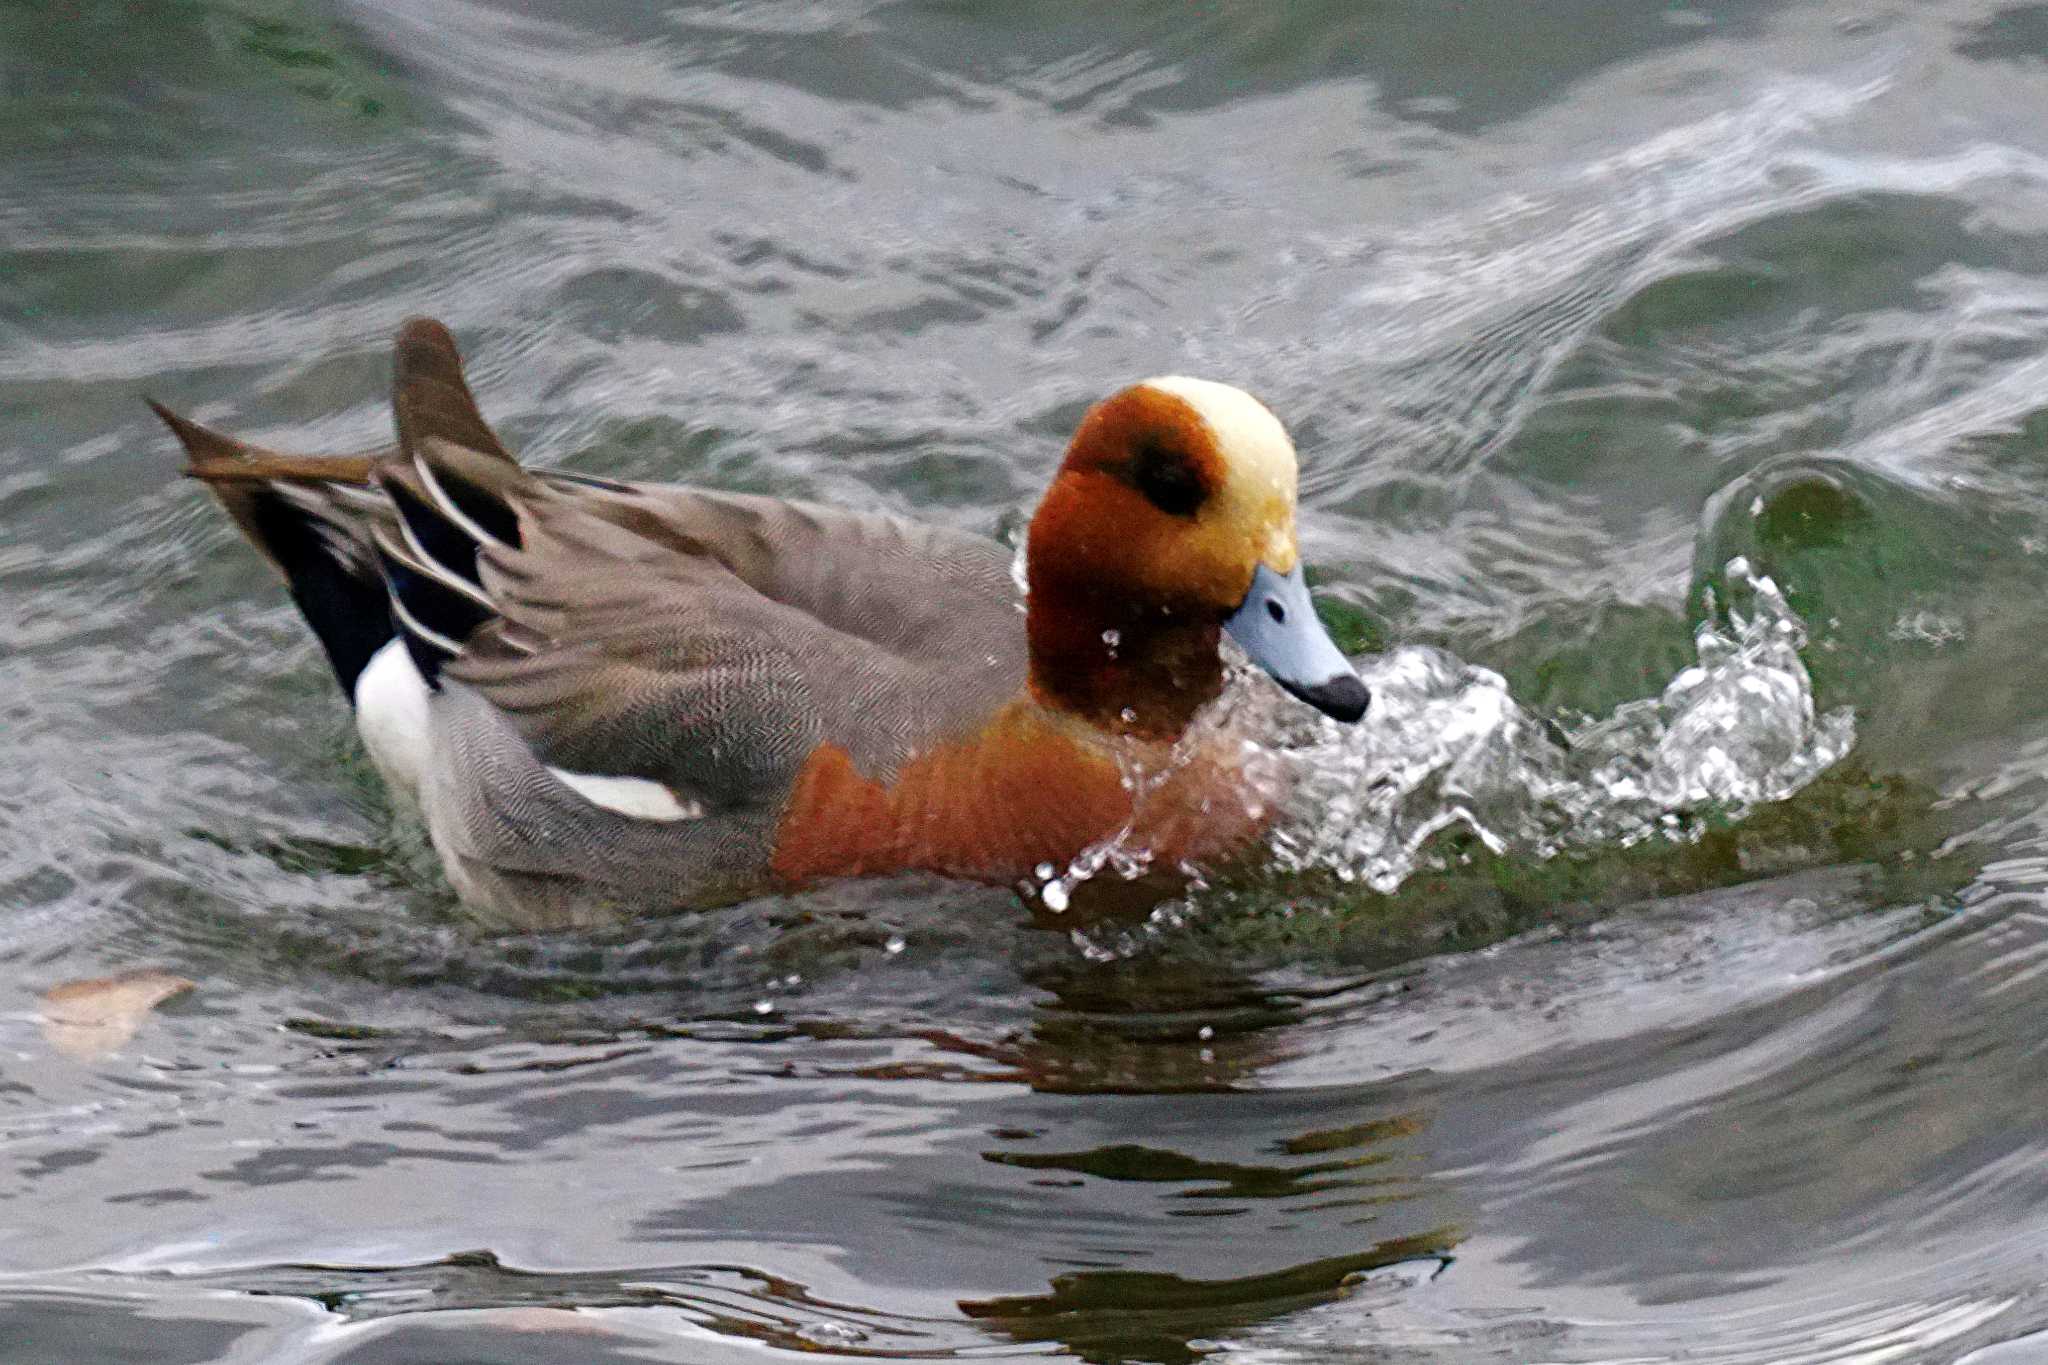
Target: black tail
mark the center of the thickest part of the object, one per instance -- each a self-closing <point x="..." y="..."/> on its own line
<point x="383" y="544"/>
<point x="311" y="517"/>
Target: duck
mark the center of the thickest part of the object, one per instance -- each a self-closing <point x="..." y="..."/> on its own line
<point x="612" y="698"/>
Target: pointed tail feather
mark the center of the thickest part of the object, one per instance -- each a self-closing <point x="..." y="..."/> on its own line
<point x="216" y="457"/>
<point x="384" y="542"/>
<point x="311" y="517"/>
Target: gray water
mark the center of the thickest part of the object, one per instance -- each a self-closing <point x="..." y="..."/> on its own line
<point x="1657" y="974"/>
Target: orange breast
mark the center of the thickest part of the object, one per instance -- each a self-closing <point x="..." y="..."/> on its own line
<point x="1026" y="789"/>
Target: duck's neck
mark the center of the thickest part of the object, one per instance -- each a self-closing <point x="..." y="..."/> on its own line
<point x="1121" y="667"/>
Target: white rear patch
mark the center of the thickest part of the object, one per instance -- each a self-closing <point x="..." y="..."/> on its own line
<point x="391" y="716"/>
<point x="639" y="797"/>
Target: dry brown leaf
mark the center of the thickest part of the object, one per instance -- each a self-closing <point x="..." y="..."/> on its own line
<point x="88" y="1019"/>
<point x="534" y="1318"/>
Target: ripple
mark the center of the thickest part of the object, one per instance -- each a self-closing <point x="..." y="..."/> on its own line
<point x="1606" y="1008"/>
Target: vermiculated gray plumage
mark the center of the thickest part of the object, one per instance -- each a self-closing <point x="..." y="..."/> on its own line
<point x="705" y="641"/>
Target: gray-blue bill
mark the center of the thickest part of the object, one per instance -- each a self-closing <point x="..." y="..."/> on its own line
<point x="1278" y="627"/>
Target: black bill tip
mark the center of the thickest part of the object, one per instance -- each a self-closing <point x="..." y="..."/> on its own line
<point x="1343" y="697"/>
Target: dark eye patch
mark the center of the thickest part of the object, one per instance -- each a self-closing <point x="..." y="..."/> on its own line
<point x="1168" y="479"/>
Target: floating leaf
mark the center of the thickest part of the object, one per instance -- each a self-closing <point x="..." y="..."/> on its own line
<point x="88" y="1019"/>
<point x="535" y="1318"/>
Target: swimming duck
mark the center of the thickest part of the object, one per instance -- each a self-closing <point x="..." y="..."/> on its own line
<point x="614" y="697"/>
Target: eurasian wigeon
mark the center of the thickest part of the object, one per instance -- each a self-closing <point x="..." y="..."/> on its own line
<point x="610" y="697"/>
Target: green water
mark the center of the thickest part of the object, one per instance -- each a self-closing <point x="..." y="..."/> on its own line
<point x="1685" y="1036"/>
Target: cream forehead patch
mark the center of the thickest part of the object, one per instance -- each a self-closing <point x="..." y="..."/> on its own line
<point x="1254" y="446"/>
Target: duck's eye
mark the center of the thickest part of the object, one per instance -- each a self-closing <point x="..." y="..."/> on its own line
<point x="1167" y="480"/>
<point x="1276" y="611"/>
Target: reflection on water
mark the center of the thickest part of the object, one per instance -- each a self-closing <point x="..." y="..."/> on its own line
<point x="1655" y="974"/>
<point x="1117" y="1315"/>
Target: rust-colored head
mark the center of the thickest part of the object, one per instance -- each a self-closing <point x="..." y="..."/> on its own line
<point x="1174" y="496"/>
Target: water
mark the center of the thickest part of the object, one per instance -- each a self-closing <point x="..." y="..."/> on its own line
<point x="1656" y="974"/>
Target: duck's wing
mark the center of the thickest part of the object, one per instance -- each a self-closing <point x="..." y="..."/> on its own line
<point x="706" y="642"/>
<point x="718" y="653"/>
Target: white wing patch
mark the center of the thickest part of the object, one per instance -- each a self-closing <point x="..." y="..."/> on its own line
<point x="391" y="716"/>
<point x="639" y="797"/>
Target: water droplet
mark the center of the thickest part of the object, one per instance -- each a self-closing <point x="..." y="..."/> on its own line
<point x="1206" y="1033"/>
<point x="895" y="945"/>
<point x="1054" y="894"/>
<point x="764" y="1007"/>
<point x="1454" y="751"/>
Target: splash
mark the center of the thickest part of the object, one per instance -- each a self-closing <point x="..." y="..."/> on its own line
<point x="1446" y="747"/>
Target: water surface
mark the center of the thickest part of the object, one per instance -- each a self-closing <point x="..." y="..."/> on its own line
<point x="1657" y="973"/>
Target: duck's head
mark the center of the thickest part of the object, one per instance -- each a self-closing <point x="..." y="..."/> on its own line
<point x="1171" y="520"/>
